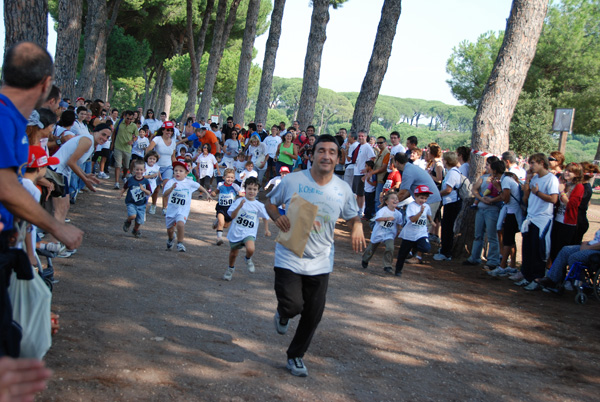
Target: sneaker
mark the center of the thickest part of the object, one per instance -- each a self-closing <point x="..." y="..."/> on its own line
<point x="64" y="254"/>
<point x="533" y="285"/>
<point x="510" y="271"/>
<point x="568" y="286"/>
<point x="126" y="226"/>
<point x="117" y="186"/>
<point x="228" y="274"/>
<point x="181" y="247"/>
<point x="364" y="264"/>
<point x="388" y="269"/>
<point x="522" y="282"/>
<point x="219" y="242"/>
<point x="398" y="274"/>
<point x="152" y="210"/>
<point x="414" y="260"/>
<point x="250" y="265"/>
<point x="516" y="277"/>
<point x="546" y="282"/>
<point x="489" y="267"/>
<point x="498" y="271"/>
<point x="137" y="233"/>
<point x="441" y="257"/>
<point x="281" y="327"/>
<point x="170" y="243"/>
<point x="57" y="248"/>
<point x="297" y="367"/>
<point x="103" y="175"/>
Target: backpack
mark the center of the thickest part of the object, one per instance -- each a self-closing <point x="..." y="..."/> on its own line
<point x="520" y="200"/>
<point x="465" y="188"/>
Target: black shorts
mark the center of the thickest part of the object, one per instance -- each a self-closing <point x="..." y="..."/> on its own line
<point x="511" y="228"/>
<point x="223" y="211"/>
<point x="358" y="186"/>
<point x="104" y="153"/>
<point x="135" y="157"/>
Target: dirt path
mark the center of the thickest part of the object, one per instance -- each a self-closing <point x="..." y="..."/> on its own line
<point x="142" y="323"/>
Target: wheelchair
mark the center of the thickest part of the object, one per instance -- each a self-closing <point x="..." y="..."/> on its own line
<point x="585" y="278"/>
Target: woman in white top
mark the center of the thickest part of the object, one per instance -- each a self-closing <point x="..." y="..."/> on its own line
<point x="79" y="126"/>
<point x="452" y="204"/>
<point x="257" y="154"/>
<point x="164" y="144"/>
<point x="150" y="120"/>
<point x="231" y="148"/>
<point x="71" y="156"/>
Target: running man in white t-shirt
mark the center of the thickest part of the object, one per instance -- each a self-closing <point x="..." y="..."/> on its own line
<point x="245" y="213"/>
<point x="178" y="191"/>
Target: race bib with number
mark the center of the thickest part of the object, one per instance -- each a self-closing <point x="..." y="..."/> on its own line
<point x="387" y="224"/>
<point x="178" y="197"/>
<point x="247" y="219"/>
<point x="203" y="165"/>
<point x="226" y="200"/>
<point x="137" y="194"/>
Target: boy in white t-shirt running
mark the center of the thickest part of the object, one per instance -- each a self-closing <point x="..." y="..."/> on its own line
<point x="414" y="233"/>
<point x="245" y="212"/>
<point x="387" y="220"/>
<point x="178" y="191"/>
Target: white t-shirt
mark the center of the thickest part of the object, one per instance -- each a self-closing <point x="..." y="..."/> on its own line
<point x="464" y="169"/>
<point x="334" y="200"/>
<point x="152" y="170"/>
<point x="153" y="124"/>
<point x="164" y="151"/>
<point x="180" y="199"/>
<point x="365" y="153"/>
<point x="231" y="149"/>
<point x="139" y="146"/>
<point x="453" y="179"/>
<point x="245" y="174"/>
<point x="369" y="188"/>
<point x="258" y="155"/>
<point x="271" y="145"/>
<point x="538" y="210"/>
<point x="239" y="167"/>
<point x="393" y="151"/>
<point x="386" y="230"/>
<point x="65" y="152"/>
<point x="246" y="222"/>
<point x="349" y="153"/>
<point x="413" y="231"/>
<point x="206" y="164"/>
<point x="422" y="163"/>
<point x="513" y="204"/>
<point x="36" y="194"/>
<point x="520" y="172"/>
<point x="218" y="134"/>
<point x="79" y="128"/>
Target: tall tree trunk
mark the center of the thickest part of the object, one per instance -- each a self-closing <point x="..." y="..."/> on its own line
<point x="95" y="32"/>
<point x="196" y="53"/>
<point x="160" y="77"/>
<point x="241" y="90"/>
<point x="492" y="120"/>
<point x="266" y="79"/>
<point x="382" y="49"/>
<point x="168" y="88"/>
<point x="67" y="45"/>
<point x="312" y="62"/>
<point x="25" y="20"/>
<point x="220" y="36"/>
<point x="100" y="88"/>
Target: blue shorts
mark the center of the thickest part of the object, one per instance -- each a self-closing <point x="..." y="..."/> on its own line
<point x="139" y="211"/>
<point x="166" y="173"/>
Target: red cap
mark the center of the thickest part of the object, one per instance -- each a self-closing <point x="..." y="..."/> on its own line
<point x="168" y="124"/>
<point x="182" y="164"/>
<point x="284" y="169"/>
<point x="39" y="158"/>
<point x="422" y="190"/>
<point x="80" y="98"/>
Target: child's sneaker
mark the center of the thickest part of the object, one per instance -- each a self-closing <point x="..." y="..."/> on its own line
<point x="228" y="274"/>
<point x="219" y="242"/>
<point x="116" y="187"/>
<point x="441" y="257"/>
<point x="180" y="247"/>
<point x="152" y="209"/>
<point x="250" y="265"/>
<point x="170" y="243"/>
<point x="126" y="226"/>
<point x="364" y="264"/>
<point x="137" y="233"/>
<point x="57" y="248"/>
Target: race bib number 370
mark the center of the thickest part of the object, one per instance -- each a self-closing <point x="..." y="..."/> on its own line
<point x="177" y="198"/>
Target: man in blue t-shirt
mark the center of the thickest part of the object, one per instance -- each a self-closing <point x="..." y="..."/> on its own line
<point x="26" y="82"/>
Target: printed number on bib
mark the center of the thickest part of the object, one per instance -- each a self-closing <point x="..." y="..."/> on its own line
<point x="225" y="200"/>
<point x="137" y="194"/>
<point x="387" y="185"/>
<point x="246" y="219"/>
<point x="387" y="224"/>
<point x="177" y="198"/>
<point x="203" y="165"/>
<point x="421" y="222"/>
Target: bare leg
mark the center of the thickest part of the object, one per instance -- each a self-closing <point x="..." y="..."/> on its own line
<point x="232" y="257"/>
<point x="180" y="231"/>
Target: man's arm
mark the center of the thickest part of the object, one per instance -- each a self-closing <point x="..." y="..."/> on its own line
<point x="281" y="221"/>
<point x="20" y="203"/>
<point x="356" y="234"/>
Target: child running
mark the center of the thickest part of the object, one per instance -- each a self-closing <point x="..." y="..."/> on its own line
<point x="228" y="192"/>
<point x="245" y="212"/>
<point x="179" y="191"/>
<point x="385" y="231"/>
<point x="151" y="173"/>
<point x="138" y="190"/>
<point x="414" y="233"/>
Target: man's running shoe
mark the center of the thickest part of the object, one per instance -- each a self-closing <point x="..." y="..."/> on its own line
<point x="297" y="367"/>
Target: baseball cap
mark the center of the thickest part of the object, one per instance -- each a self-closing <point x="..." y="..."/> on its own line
<point x="196" y="125"/>
<point x="422" y="189"/>
<point x="182" y="164"/>
<point x="168" y="124"/>
<point x="80" y="98"/>
<point x="63" y="104"/>
<point x="238" y="126"/>
<point x="284" y="169"/>
<point x="38" y="158"/>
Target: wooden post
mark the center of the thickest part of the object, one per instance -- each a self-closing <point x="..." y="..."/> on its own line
<point x="562" y="143"/>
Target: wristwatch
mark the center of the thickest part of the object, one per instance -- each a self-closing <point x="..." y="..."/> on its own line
<point x="58" y="142"/>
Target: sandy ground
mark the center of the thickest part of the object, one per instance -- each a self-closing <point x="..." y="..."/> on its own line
<point x="142" y="323"/>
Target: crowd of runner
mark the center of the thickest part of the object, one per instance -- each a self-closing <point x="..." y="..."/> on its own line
<point x="395" y="187"/>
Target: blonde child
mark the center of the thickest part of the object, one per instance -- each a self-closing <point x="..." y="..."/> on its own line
<point x="248" y="172"/>
<point x="227" y="192"/>
<point x="387" y="222"/>
<point x="138" y="190"/>
<point x="245" y="212"/>
<point x="152" y="172"/>
<point x="414" y="233"/>
<point x="239" y="165"/>
<point x="178" y="191"/>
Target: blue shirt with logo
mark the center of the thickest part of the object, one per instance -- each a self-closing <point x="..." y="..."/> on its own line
<point x="14" y="147"/>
